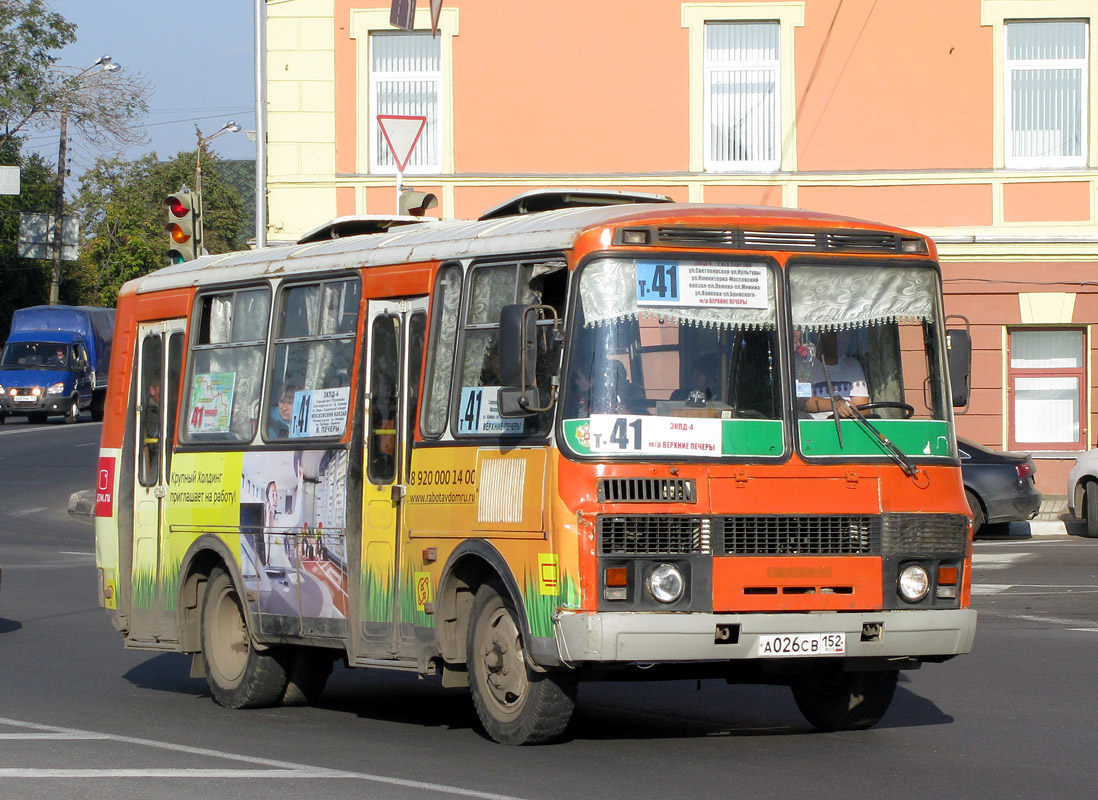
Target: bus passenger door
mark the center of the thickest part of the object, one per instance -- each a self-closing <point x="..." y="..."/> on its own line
<point x="395" y="355"/>
<point x="159" y="367"/>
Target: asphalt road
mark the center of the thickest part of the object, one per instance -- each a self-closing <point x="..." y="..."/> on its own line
<point x="81" y="717"/>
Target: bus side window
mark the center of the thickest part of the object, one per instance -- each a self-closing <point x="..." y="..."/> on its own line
<point x="440" y="367"/>
<point x="314" y="346"/>
<point x="384" y="384"/>
<point x="227" y="366"/>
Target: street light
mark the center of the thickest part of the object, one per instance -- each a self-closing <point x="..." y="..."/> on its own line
<point x="199" y="228"/>
<point x="102" y="64"/>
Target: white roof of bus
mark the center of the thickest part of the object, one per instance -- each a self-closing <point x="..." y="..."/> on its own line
<point x="449" y="239"/>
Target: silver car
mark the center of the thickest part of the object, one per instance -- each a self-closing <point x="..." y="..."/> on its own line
<point x="1083" y="491"/>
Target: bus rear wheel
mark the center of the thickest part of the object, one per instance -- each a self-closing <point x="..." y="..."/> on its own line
<point x="307" y="673"/>
<point x="239" y="675"/>
<point x="834" y="700"/>
<point x="515" y="704"/>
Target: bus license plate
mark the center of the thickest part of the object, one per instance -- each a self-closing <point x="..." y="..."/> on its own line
<point x="784" y="645"/>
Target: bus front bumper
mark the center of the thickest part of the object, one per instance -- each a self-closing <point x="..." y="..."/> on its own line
<point x="654" y="637"/>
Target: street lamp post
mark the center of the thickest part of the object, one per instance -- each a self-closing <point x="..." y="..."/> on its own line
<point x="199" y="228"/>
<point x="103" y="64"/>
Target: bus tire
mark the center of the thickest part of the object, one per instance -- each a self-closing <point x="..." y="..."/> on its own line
<point x="307" y="672"/>
<point x="515" y="704"/>
<point x="239" y="675"/>
<point x="834" y="700"/>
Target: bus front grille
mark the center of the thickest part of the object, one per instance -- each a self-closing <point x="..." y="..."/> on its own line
<point x="797" y="534"/>
<point x="943" y="535"/>
<point x="635" y="534"/>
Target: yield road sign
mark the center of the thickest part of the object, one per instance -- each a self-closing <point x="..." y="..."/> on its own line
<point x="401" y="133"/>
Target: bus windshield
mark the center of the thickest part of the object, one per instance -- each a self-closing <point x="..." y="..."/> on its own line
<point x="675" y="358"/>
<point x="868" y="336"/>
<point x="680" y="359"/>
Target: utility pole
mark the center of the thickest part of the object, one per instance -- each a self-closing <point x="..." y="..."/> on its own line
<point x="59" y="205"/>
<point x="103" y="64"/>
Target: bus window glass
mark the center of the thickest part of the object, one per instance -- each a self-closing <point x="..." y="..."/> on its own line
<point x="381" y="445"/>
<point x="674" y="358"/>
<point x="490" y="289"/>
<point x="152" y="348"/>
<point x="171" y="395"/>
<point x="417" y="327"/>
<point x="871" y="335"/>
<point x="444" y="328"/>
<point x="222" y="398"/>
<point x="310" y="381"/>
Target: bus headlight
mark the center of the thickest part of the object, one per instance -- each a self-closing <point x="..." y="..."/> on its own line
<point x="57" y="388"/>
<point x="665" y="583"/>
<point x="914" y="583"/>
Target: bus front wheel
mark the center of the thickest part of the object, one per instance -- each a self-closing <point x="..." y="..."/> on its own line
<point x="515" y="704"/>
<point x="834" y="700"/>
<point x="239" y="675"/>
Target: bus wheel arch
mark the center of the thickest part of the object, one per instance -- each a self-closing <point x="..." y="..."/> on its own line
<point x="204" y="555"/>
<point x="470" y="566"/>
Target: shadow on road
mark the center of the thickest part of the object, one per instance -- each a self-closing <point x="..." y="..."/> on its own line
<point x="9" y="625"/>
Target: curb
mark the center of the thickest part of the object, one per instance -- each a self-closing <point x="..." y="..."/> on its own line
<point x="82" y="505"/>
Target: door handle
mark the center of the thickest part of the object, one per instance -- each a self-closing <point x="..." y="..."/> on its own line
<point x="398" y="492"/>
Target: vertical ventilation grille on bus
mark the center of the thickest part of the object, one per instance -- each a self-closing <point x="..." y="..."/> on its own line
<point x="816" y="241"/>
<point x="647" y="490"/>
<point x="790" y="534"/>
<point x="654" y="535"/>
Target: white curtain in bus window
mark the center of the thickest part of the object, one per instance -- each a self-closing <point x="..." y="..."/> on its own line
<point x="314" y="348"/>
<point x="444" y="329"/>
<point x="839" y="298"/>
<point x="616" y="290"/>
<point x="223" y="398"/>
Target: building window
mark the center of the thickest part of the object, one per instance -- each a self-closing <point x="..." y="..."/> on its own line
<point x="405" y="79"/>
<point x="1045" y="88"/>
<point x="742" y="81"/>
<point x="1047" y="376"/>
<point x="742" y="91"/>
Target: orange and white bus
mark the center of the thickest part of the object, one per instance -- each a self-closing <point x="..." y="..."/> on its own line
<point x="642" y="439"/>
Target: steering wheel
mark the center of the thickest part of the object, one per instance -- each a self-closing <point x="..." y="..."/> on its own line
<point x="908" y="410"/>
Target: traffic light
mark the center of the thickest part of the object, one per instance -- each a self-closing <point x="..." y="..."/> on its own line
<point x="415" y="204"/>
<point x="182" y="222"/>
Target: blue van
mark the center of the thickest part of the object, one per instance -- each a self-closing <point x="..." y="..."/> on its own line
<point x="55" y="362"/>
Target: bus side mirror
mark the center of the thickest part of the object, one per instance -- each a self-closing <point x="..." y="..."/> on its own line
<point x="518" y="354"/>
<point x="959" y="358"/>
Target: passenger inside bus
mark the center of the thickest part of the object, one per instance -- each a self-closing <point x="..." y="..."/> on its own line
<point x="281" y="414"/>
<point x="845" y="375"/>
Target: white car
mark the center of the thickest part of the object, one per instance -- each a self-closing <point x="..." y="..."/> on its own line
<point x="1083" y="491"/>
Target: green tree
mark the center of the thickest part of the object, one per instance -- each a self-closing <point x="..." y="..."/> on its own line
<point x="29" y="34"/>
<point x="122" y="220"/>
<point x="23" y="282"/>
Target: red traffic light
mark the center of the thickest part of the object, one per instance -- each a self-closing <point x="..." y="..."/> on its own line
<point x="176" y="207"/>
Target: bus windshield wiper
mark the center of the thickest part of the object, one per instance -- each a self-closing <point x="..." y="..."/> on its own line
<point x="896" y="454"/>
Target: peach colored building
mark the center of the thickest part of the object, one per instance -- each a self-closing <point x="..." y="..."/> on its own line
<point x="969" y="120"/>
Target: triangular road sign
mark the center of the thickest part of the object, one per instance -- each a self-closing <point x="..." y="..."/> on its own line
<point x="401" y="134"/>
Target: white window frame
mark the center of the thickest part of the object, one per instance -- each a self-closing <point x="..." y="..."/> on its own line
<point x="1010" y="67"/>
<point x="365" y="22"/>
<point x="996" y="14"/>
<point x="789" y="14"/>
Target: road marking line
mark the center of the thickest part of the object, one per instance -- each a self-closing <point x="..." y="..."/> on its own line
<point x="26" y="512"/>
<point x="278" y="769"/>
<point x="52" y="428"/>
<point x="1084" y="630"/>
